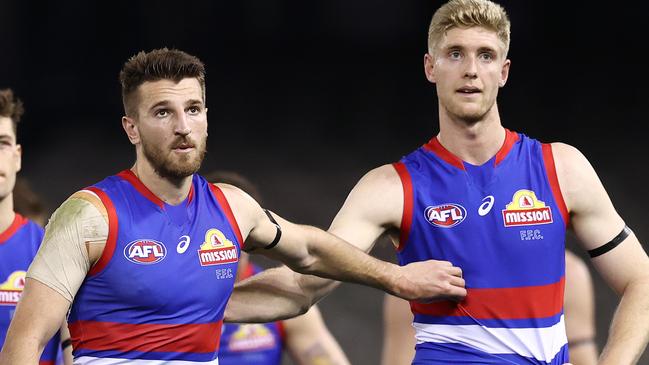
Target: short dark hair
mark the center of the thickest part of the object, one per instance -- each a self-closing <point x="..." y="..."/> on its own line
<point x="11" y="107"/>
<point x="158" y="64"/>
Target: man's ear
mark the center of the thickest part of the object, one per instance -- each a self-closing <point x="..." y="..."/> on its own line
<point x="429" y="68"/>
<point x="130" y="127"/>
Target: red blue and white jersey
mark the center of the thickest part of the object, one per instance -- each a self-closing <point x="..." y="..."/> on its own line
<point x="18" y="246"/>
<point x="251" y="343"/>
<point x="503" y="223"/>
<point x="158" y="293"/>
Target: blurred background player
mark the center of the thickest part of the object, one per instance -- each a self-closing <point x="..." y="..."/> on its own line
<point x="28" y="203"/>
<point x="579" y="308"/>
<point x="20" y="237"/>
<point x="306" y="338"/>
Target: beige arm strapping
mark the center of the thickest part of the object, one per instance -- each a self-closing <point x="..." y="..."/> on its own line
<point x="63" y="259"/>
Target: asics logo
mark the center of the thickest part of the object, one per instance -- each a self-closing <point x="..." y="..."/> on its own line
<point x="486" y="206"/>
<point x="183" y="244"/>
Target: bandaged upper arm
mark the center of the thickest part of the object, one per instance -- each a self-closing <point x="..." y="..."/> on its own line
<point x="63" y="260"/>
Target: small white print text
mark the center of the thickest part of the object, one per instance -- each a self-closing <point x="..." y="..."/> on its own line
<point x="224" y="274"/>
<point x="531" y="235"/>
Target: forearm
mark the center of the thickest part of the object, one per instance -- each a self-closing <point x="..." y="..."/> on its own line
<point x="21" y="345"/>
<point x="629" y="331"/>
<point x="27" y="352"/>
<point x="269" y="296"/>
<point x="333" y="258"/>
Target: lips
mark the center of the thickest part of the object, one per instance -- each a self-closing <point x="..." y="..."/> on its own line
<point x="183" y="146"/>
<point x="468" y="90"/>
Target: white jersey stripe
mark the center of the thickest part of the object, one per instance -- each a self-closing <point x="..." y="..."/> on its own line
<point x="90" y="360"/>
<point x="540" y="343"/>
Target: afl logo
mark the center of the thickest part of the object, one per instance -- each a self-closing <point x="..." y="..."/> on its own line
<point x="446" y="215"/>
<point x="145" y="252"/>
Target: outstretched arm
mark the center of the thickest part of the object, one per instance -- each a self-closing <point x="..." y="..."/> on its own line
<point x="373" y="206"/>
<point x="625" y="268"/>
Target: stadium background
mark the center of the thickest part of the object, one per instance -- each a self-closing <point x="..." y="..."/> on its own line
<point x="304" y="97"/>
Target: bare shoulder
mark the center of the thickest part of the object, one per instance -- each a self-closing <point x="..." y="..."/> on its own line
<point x="82" y="205"/>
<point x="378" y="195"/>
<point x="384" y="176"/>
<point x="569" y="161"/>
<point x="381" y="184"/>
<point x="245" y="209"/>
<point x="577" y="178"/>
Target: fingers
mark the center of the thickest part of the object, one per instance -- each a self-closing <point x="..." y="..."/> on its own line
<point x="455" y="271"/>
<point x="457" y="281"/>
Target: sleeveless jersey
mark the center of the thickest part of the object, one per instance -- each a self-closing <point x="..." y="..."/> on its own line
<point x="158" y="293"/>
<point x="18" y="246"/>
<point x="251" y="343"/>
<point x="503" y="223"/>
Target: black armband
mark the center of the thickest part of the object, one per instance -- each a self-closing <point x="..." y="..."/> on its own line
<point x="65" y="343"/>
<point x="278" y="235"/>
<point x="626" y="231"/>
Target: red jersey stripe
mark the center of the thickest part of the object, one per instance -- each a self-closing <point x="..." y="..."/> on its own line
<point x="103" y="336"/>
<point x="225" y="206"/>
<point x="111" y="241"/>
<point x="15" y="225"/>
<point x="551" y="171"/>
<point x="406" y="217"/>
<point x="503" y="303"/>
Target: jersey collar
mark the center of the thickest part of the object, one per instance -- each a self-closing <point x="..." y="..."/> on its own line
<point x="440" y="151"/>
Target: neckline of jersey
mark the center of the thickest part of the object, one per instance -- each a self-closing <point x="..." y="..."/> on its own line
<point x="18" y="222"/>
<point x="440" y="151"/>
<point x="135" y="181"/>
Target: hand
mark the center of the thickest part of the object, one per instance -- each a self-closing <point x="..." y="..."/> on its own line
<point x="429" y="281"/>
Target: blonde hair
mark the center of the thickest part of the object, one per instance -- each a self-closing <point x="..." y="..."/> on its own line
<point x="465" y="14"/>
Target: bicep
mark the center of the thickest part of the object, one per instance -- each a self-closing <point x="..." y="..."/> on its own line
<point x="595" y="220"/>
<point x="372" y="207"/>
<point x="74" y="239"/>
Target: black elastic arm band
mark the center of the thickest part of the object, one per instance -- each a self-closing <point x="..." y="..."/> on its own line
<point x="626" y="231"/>
<point x="66" y="343"/>
<point x="278" y="235"/>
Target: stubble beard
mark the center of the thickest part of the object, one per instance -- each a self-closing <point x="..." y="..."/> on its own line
<point x="168" y="167"/>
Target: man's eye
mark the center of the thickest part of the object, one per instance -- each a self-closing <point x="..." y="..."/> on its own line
<point x="162" y="113"/>
<point x="194" y="110"/>
<point x="486" y="56"/>
<point x="455" y="55"/>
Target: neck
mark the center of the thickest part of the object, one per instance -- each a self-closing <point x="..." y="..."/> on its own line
<point x="7" y="214"/>
<point x="171" y="191"/>
<point x="473" y="142"/>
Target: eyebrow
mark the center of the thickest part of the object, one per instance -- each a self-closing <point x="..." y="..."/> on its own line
<point x="194" y="102"/>
<point x="166" y="102"/>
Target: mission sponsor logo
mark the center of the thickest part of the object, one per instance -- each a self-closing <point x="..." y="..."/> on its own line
<point x="526" y="210"/>
<point x="12" y="289"/>
<point x="251" y="337"/>
<point x="445" y="215"/>
<point x="217" y="249"/>
<point x="145" y="252"/>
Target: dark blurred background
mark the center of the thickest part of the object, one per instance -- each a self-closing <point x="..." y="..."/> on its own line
<point x="305" y="96"/>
